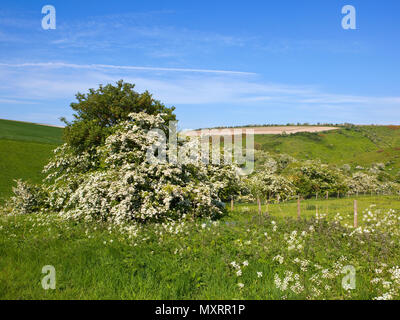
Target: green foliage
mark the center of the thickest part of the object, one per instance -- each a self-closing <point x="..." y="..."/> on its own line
<point x="265" y="185"/>
<point x="397" y="179"/>
<point x="314" y="177"/>
<point x="311" y="177"/>
<point x="101" y="109"/>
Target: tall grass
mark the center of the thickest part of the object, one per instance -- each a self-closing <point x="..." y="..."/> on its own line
<point x="198" y="260"/>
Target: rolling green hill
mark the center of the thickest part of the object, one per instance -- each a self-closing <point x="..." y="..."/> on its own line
<point x="355" y="145"/>
<point x="24" y="148"/>
<point x="25" y="131"/>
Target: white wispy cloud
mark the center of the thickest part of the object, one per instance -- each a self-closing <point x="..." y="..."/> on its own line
<point x="16" y="101"/>
<point x="195" y="86"/>
<point x="116" y="67"/>
<point x="55" y="83"/>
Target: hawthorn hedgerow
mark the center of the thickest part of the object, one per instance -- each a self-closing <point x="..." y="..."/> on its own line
<point x="115" y="182"/>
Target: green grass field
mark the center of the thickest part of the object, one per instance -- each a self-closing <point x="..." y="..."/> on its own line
<point x="24" y="148"/>
<point x="25" y="131"/>
<point x="95" y="262"/>
<point x="309" y="208"/>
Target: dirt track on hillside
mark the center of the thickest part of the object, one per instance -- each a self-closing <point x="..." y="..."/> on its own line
<point x="263" y="130"/>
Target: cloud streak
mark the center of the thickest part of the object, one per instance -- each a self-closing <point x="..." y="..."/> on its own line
<point x="116" y="67"/>
<point x="53" y="84"/>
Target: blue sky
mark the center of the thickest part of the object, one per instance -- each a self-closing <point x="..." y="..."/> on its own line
<point x="218" y="62"/>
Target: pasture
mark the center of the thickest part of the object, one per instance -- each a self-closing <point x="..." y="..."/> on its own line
<point x="24" y="148"/>
<point x="242" y="256"/>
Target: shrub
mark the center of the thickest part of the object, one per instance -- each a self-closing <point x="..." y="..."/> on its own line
<point x="267" y="185"/>
<point x="116" y="183"/>
<point x="27" y="198"/>
<point x="314" y="177"/>
<point x="362" y="183"/>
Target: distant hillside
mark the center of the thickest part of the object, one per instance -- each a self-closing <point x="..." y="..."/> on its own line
<point x="25" y="131"/>
<point x="266" y="130"/>
<point x="357" y="145"/>
<point x="24" y="148"/>
<point x="361" y="145"/>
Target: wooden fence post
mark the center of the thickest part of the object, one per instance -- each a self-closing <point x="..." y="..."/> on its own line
<point x="232" y="204"/>
<point x="316" y="196"/>
<point x="259" y="205"/>
<point x="298" y="208"/>
<point x="327" y="195"/>
<point x="355" y="214"/>
<point x="267" y="206"/>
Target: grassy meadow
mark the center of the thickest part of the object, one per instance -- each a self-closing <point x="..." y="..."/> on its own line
<point x="25" y="148"/>
<point x="25" y="131"/>
<point x="238" y="257"/>
<point x="310" y="207"/>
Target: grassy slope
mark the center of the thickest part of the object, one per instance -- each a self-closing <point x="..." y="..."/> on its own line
<point x="358" y="146"/>
<point x="25" y="148"/>
<point x="24" y="131"/>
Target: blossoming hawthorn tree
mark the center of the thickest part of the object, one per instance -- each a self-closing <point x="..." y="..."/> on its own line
<point x="28" y="198"/>
<point x="361" y="182"/>
<point x="315" y="177"/>
<point x="115" y="182"/>
<point x="109" y="168"/>
<point x="265" y="185"/>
